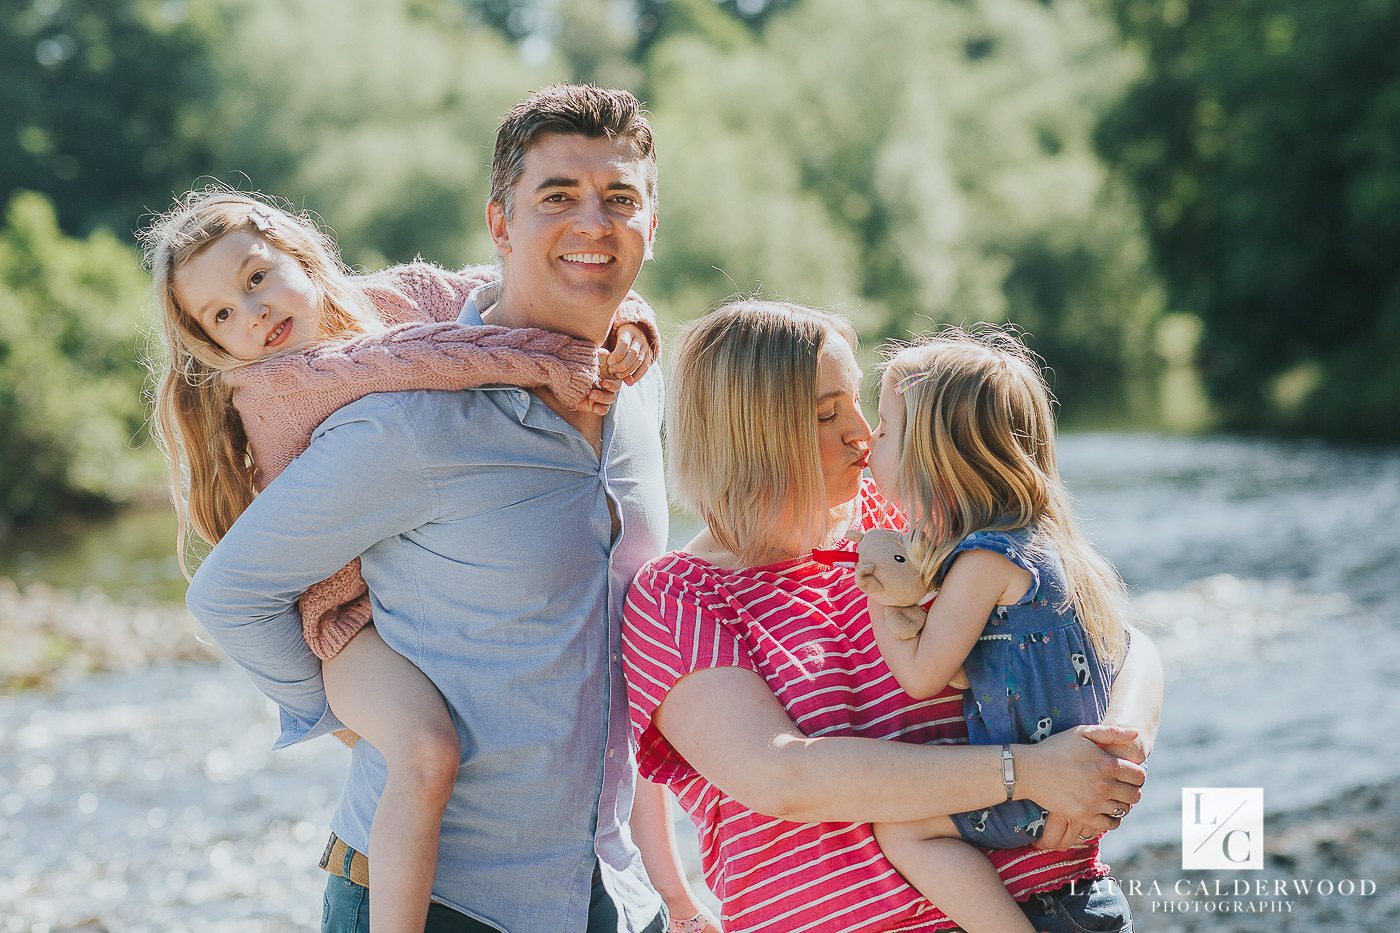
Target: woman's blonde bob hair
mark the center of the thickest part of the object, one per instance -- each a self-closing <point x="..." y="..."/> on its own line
<point x="194" y="421"/>
<point x="977" y="453"/>
<point x="742" y="431"/>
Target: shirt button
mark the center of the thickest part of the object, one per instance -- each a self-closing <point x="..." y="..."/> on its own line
<point x="612" y="753"/>
<point x="616" y="658"/>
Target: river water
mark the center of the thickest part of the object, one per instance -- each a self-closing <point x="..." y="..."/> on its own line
<point x="1265" y="572"/>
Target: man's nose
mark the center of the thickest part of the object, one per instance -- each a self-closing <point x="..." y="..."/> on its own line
<point x="591" y="219"/>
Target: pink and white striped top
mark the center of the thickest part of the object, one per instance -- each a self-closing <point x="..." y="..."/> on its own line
<point x="804" y="629"/>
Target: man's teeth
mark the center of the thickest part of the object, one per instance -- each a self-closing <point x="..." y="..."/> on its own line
<point x="593" y="258"/>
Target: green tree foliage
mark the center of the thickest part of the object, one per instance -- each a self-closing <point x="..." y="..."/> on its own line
<point x="371" y="112"/>
<point x="70" y="384"/>
<point x="1262" y="139"/>
<point x="100" y="102"/>
<point x="910" y="163"/>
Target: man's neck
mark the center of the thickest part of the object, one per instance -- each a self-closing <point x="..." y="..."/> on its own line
<point x="512" y="309"/>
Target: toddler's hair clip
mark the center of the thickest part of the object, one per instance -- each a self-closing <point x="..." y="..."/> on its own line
<point x="261" y="219"/>
<point x="911" y="380"/>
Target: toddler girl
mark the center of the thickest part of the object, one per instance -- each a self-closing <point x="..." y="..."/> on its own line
<point x="266" y="334"/>
<point x="966" y="447"/>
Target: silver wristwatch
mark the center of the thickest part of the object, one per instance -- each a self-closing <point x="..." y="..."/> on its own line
<point x="1008" y="770"/>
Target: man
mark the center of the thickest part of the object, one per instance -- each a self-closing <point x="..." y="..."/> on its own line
<point x="499" y="533"/>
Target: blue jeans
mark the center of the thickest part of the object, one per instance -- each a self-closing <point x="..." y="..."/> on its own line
<point x="346" y="910"/>
<point x="1084" y="907"/>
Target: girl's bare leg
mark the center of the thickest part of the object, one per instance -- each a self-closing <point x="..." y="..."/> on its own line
<point x="955" y="877"/>
<point x="379" y="694"/>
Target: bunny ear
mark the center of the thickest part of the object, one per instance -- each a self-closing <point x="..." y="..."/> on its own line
<point x="854" y="535"/>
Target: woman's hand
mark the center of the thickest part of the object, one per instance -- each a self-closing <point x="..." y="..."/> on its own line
<point x="1070" y="774"/>
<point x="1061" y="833"/>
<point x="693" y="919"/>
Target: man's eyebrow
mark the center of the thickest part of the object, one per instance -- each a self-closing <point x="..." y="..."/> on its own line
<point x="557" y="181"/>
<point x="624" y="186"/>
<point x="199" y="315"/>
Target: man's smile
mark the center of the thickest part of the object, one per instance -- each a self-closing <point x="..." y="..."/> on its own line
<point x="591" y="259"/>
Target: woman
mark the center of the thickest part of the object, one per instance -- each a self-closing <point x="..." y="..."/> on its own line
<point x="758" y="694"/>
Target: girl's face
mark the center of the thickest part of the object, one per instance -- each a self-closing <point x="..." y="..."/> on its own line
<point x="886" y="443"/>
<point x="251" y="298"/>
<point x="843" y="434"/>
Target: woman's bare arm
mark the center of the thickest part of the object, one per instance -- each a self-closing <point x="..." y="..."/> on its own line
<point x="732" y="729"/>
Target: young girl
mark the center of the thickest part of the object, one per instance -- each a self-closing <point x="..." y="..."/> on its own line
<point x="266" y="334"/>
<point x="966" y="447"/>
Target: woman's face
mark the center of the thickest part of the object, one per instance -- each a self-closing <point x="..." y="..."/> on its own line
<point x="843" y="434"/>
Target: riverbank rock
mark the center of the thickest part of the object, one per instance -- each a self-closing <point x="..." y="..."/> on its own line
<point x="53" y="637"/>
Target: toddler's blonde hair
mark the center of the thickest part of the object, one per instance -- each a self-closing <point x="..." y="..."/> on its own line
<point x="978" y="453"/>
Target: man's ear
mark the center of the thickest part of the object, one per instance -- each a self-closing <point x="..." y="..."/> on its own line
<point x="496" y="224"/>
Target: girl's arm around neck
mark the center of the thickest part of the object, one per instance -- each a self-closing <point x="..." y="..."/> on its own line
<point x="284" y="398"/>
<point x="974" y="585"/>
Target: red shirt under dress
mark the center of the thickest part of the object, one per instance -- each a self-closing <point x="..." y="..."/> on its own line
<point x="803" y="628"/>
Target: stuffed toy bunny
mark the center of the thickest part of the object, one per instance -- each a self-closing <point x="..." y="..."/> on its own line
<point x="887" y="575"/>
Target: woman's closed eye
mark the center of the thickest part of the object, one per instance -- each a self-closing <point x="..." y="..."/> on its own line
<point x="826" y="418"/>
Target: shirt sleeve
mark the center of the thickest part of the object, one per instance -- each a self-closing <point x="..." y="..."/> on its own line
<point x="359" y="483"/>
<point x="668" y="631"/>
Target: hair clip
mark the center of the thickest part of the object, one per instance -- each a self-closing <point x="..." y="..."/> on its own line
<point x="261" y="219"/>
<point x="913" y="379"/>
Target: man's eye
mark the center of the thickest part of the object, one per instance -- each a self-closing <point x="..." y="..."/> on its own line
<point x="625" y="201"/>
<point x="221" y="315"/>
<point x="555" y="198"/>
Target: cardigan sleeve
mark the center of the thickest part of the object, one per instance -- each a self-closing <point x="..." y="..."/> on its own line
<point x="282" y="399"/>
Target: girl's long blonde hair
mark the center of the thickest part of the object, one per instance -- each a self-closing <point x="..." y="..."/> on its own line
<point x="978" y="453"/>
<point x="194" y="422"/>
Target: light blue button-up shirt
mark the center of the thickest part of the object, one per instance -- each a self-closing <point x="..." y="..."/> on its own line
<point x="482" y="520"/>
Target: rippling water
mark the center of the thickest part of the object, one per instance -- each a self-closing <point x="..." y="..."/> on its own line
<point x="149" y="801"/>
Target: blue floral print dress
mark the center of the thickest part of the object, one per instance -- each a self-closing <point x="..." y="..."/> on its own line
<point x="1032" y="673"/>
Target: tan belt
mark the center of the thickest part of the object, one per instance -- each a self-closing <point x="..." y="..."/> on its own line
<point x="333" y="861"/>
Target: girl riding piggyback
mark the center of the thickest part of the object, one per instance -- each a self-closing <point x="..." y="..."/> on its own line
<point x="266" y="334"/>
<point x="1024" y="606"/>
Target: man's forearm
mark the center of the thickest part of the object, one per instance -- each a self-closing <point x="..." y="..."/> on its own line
<point x="270" y="647"/>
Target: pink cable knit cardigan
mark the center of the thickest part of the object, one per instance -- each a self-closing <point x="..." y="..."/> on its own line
<point x="283" y="399"/>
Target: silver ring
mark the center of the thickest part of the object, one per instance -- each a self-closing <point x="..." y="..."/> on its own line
<point x="1118" y="813"/>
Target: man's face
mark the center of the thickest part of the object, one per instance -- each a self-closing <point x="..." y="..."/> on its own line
<point x="580" y="227"/>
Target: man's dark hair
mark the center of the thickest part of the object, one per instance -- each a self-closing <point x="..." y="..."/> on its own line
<point x="579" y="109"/>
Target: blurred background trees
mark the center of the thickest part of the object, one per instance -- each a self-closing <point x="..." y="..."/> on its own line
<point x="1140" y="185"/>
